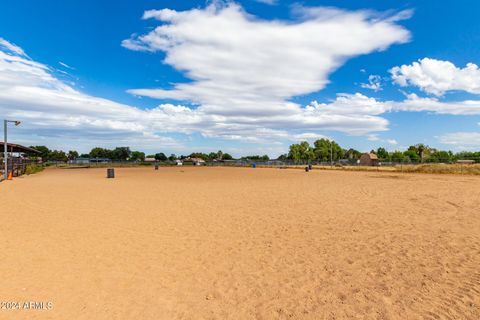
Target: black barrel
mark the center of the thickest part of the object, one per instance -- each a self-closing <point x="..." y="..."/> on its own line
<point x="156" y="167"/>
<point x="307" y="169"/>
<point x="110" y="173"/>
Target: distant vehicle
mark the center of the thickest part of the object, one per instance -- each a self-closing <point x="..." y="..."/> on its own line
<point x="195" y="161"/>
<point x="179" y="162"/>
<point x="344" y="162"/>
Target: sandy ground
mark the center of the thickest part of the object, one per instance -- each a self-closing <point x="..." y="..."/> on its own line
<point x="240" y="243"/>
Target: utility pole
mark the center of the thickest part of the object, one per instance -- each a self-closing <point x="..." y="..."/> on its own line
<point x="5" y="146"/>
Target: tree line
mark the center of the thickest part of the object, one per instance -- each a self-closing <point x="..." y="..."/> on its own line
<point x="328" y="150"/>
<point x="322" y="150"/>
<point x="123" y="154"/>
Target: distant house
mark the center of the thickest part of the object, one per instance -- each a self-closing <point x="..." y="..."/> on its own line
<point x="369" y="159"/>
<point x="465" y="161"/>
<point x="195" y="161"/>
<point x="150" y="160"/>
<point x="198" y="161"/>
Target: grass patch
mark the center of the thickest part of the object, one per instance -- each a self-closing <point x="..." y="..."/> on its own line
<point x="33" y="168"/>
<point x="442" y="168"/>
<point x="438" y="168"/>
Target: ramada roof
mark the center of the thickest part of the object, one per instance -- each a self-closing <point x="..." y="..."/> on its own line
<point x="11" y="147"/>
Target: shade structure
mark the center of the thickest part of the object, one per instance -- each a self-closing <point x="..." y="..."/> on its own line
<point x="12" y="147"/>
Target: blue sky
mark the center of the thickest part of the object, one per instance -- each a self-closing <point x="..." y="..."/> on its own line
<point x="245" y="77"/>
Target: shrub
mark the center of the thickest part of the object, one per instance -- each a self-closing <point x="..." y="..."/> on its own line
<point x="33" y="168"/>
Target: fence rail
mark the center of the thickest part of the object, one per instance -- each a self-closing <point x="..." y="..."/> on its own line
<point x="248" y="163"/>
<point x="17" y="166"/>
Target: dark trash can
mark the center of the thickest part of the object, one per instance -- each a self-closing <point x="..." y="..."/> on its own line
<point x="307" y="169"/>
<point x="156" y="167"/>
<point x="110" y="173"/>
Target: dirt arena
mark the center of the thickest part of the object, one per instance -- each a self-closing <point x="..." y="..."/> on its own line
<point x="240" y="243"/>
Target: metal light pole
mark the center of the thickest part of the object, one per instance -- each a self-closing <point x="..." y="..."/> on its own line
<point x="5" y="146"/>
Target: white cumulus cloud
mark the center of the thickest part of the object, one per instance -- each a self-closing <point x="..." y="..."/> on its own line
<point x="393" y="142"/>
<point x="461" y="140"/>
<point x="414" y="103"/>
<point x="247" y="69"/>
<point x="374" y="83"/>
<point x="438" y="77"/>
<point x="52" y="110"/>
<point x="270" y="2"/>
<point x="55" y="113"/>
<point x="309" y="136"/>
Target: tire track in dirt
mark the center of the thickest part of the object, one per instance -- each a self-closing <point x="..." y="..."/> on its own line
<point x="457" y="297"/>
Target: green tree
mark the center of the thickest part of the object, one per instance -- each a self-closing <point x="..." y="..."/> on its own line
<point x="72" y="155"/>
<point x="382" y="154"/>
<point x="411" y="156"/>
<point x="257" y="158"/>
<point x="44" y="152"/>
<point x="161" y="156"/>
<point x="397" y="156"/>
<point x="352" y="154"/>
<point x="441" y="156"/>
<point x="423" y="152"/>
<point x="467" y="156"/>
<point x="200" y="155"/>
<point x="120" y="153"/>
<point x="100" y="153"/>
<point x="324" y="148"/>
<point x="58" y="155"/>
<point x="213" y="156"/>
<point x="137" y="156"/>
<point x="172" y="157"/>
<point x="301" y="152"/>
<point x="227" y="156"/>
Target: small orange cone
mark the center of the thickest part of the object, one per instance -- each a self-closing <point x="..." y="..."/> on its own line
<point x="10" y="176"/>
